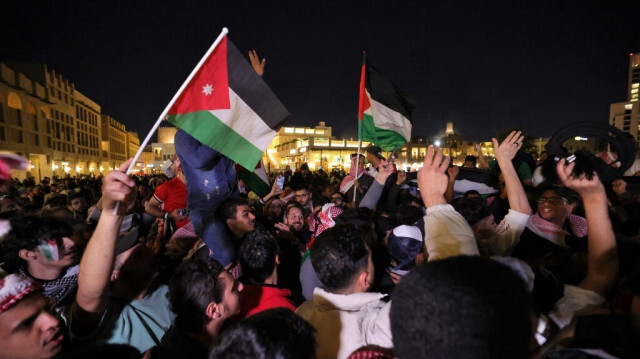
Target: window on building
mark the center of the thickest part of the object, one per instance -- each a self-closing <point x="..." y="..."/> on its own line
<point x="36" y="140"/>
<point x="20" y="139"/>
<point x="3" y="137"/>
<point x="19" y="117"/>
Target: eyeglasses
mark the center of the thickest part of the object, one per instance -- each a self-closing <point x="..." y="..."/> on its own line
<point x="552" y="200"/>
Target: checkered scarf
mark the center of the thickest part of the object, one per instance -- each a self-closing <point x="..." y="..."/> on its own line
<point x="59" y="288"/>
<point x="555" y="234"/>
<point x="14" y="287"/>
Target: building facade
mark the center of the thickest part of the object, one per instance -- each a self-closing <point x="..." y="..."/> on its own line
<point x="314" y="146"/>
<point x="626" y="115"/>
<point x="59" y="130"/>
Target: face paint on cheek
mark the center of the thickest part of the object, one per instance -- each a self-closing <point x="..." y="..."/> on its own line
<point x="50" y="250"/>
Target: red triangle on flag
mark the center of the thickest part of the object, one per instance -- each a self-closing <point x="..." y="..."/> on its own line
<point x="209" y="88"/>
<point x="363" y="103"/>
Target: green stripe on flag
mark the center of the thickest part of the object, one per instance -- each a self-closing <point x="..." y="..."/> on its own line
<point x="201" y="124"/>
<point x="386" y="139"/>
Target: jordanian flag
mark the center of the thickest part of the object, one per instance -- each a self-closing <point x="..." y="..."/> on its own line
<point x="228" y="107"/>
<point x="384" y="111"/>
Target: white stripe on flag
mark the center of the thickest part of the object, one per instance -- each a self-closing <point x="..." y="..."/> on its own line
<point x="388" y="119"/>
<point x="245" y="122"/>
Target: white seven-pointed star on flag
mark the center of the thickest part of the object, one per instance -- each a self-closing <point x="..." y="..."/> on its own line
<point x="207" y="89"/>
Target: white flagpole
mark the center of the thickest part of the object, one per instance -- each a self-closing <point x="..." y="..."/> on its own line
<point x="357" y="166"/>
<point x="163" y="115"/>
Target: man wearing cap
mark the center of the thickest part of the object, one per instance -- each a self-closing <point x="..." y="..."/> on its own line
<point x="27" y="328"/>
<point x="374" y="156"/>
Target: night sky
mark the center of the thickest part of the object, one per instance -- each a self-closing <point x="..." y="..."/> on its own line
<point x="485" y="65"/>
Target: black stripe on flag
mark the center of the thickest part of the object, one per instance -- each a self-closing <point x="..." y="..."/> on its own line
<point x="387" y="93"/>
<point x="253" y="90"/>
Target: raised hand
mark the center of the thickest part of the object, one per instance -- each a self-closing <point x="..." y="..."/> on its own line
<point x="507" y="150"/>
<point x="478" y="148"/>
<point x="432" y="180"/>
<point x="118" y="187"/>
<point x="453" y="173"/>
<point x="386" y="169"/>
<point x="258" y="65"/>
<point x="583" y="186"/>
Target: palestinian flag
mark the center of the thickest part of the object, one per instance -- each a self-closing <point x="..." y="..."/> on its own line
<point x="384" y="111"/>
<point x="257" y="181"/>
<point x="228" y="107"/>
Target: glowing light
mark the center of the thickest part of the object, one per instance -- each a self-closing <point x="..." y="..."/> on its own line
<point x="437" y="143"/>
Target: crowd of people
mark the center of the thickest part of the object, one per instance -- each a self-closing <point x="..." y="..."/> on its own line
<point x="373" y="263"/>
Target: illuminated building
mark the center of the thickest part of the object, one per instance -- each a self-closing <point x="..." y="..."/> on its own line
<point x="59" y="130"/>
<point x="626" y="115"/>
<point x="315" y="146"/>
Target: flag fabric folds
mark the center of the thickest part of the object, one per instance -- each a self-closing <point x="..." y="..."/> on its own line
<point x="257" y="181"/>
<point x="228" y="107"/>
<point x="384" y="111"/>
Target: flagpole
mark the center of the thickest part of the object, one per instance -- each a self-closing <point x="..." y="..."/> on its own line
<point x="357" y="165"/>
<point x="164" y="113"/>
<point x="359" y="124"/>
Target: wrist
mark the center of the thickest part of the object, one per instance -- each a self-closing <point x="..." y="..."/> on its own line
<point x="433" y="200"/>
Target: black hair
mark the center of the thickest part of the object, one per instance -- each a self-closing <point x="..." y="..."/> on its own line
<point x="471" y="192"/>
<point x="192" y="288"/>
<point x="74" y="195"/>
<point x="338" y="255"/>
<point x="27" y="232"/>
<point x="408" y="214"/>
<point x="272" y="334"/>
<point x="470" y="159"/>
<point x="570" y="195"/>
<point x="229" y="207"/>
<point x="472" y="209"/>
<point x="257" y="255"/>
<point x="291" y="205"/>
<point x="461" y="307"/>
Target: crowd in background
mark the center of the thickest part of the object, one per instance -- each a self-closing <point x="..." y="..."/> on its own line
<point x="487" y="260"/>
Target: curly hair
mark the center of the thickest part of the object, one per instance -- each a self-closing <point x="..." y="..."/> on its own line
<point x="257" y="255"/>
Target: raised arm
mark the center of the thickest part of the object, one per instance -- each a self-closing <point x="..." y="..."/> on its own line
<point x="505" y="152"/>
<point x="97" y="262"/>
<point x="447" y="233"/>
<point x="371" y="198"/>
<point x="602" y="259"/>
<point x="453" y="173"/>
<point x="482" y="162"/>
<point x="257" y="64"/>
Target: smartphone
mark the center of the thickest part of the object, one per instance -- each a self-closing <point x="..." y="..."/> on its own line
<point x="280" y="181"/>
<point x="393" y="154"/>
